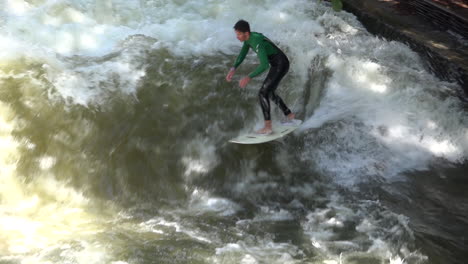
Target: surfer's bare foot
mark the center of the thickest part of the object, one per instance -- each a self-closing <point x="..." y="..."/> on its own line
<point x="264" y="131"/>
<point x="291" y="116"/>
<point x="267" y="129"/>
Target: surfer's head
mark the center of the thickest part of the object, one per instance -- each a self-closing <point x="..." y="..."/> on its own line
<point x="242" y="29"/>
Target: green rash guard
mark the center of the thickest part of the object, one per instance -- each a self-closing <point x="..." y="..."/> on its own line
<point x="262" y="46"/>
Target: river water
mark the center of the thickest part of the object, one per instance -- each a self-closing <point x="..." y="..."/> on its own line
<point x="115" y="118"/>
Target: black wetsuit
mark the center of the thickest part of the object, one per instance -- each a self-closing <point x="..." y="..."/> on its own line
<point x="268" y="53"/>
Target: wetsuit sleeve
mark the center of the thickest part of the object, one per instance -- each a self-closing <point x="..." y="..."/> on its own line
<point x="262" y="55"/>
<point x="242" y="54"/>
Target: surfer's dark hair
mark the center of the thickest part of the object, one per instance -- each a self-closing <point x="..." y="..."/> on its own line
<point x="242" y="26"/>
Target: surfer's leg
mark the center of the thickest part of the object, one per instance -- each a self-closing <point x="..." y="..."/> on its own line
<point x="282" y="67"/>
<point x="286" y="111"/>
<point x="279" y="68"/>
<point x="278" y="101"/>
<point x="264" y="95"/>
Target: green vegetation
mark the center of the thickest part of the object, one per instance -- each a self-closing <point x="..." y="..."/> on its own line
<point x="337" y="5"/>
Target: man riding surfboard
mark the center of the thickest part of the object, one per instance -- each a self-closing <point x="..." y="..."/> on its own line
<point x="269" y="55"/>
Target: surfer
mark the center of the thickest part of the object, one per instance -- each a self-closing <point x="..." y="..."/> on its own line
<point x="269" y="55"/>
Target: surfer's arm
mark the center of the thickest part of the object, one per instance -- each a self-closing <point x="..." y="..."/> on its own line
<point x="242" y="54"/>
<point x="262" y="55"/>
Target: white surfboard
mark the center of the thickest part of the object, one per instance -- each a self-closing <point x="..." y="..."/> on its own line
<point x="279" y="131"/>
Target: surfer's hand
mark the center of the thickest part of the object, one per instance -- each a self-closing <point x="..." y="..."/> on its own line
<point x="243" y="83"/>
<point x="230" y="74"/>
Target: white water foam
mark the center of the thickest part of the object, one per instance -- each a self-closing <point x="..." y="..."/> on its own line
<point x="379" y="231"/>
<point x="60" y="32"/>
<point x="162" y="226"/>
<point x="381" y="117"/>
<point x="264" y="251"/>
<point x="199" y="158"/>
<point x="202" y="202"/>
